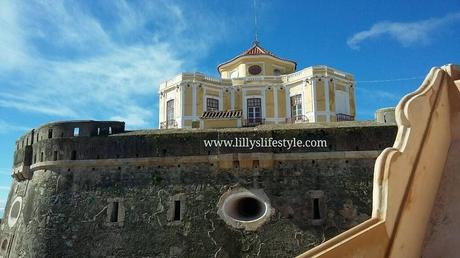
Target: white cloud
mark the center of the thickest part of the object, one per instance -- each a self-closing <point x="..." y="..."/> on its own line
<point x="8" y="127"/>
<point x="406" y="33"/>
<point x="62" y="60"/>
<point x="4" y="188"/>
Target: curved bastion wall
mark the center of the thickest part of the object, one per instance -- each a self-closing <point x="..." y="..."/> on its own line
<point x="102" y="191"/>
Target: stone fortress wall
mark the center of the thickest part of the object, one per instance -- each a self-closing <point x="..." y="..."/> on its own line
<point x="89" y="188"/>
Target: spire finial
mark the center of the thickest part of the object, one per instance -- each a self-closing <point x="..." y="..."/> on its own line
<point x="256" y="36"/>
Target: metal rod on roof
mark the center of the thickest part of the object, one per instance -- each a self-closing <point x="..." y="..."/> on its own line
<point x="255" y="24"/>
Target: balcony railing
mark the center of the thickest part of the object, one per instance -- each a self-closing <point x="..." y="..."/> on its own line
<point x="168" y="124"/>
<point x="344" y="117"/>
<point x="250" y="122"/>
<point x="296" y="119"/>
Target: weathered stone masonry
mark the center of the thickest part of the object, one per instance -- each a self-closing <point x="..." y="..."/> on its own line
<point x="101" y="191"/>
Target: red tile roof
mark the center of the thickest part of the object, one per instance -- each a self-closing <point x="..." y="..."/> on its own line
<point x="254" y="50"/>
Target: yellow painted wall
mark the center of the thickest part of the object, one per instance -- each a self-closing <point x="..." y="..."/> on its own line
<point x="282" y="103"/>
<point x="268" y="65"/>
<point x="331" y="96"/>
<point x="188" y="101"/>
<point x="214" y="93"/>
<point x="253" y="92"/>
<point x="199" y="100"/>
<point x="227" y="100"/>
<point x="220" y="123"/>
<point x="188" y="123"/>
<point x="269" y="103"/>
<point x="333" y="118"/>
<point x="238" y="98"/>
<point x="352" y="101"/>
<point x="339" y="86"/>
<point x="308" y="99"/>
<point x="321" y="118"/>
<point x="320" y="98"/>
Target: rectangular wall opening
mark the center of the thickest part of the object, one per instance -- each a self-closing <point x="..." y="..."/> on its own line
<point x="176" y="210"/>
<point x="73" y="156"/>
<point x="76" y="131"/>
<point x="316" y="212"/>
<point x="114" y="213"/>
<point x="41" y="156"/>
<point x="50" y="133"/>
<point x="55" y="155"/>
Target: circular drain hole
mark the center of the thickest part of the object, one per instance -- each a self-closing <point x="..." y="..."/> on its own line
<point x="14" y="211"/>
<point x="245" y="208"/>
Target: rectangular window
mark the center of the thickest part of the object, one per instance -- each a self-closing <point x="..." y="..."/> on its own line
<point x="212" y="104"/>
<point x="76" y="131"/>
<point x="110" y="130"/>
<point x="296" y="107"/>
<point x="177" y="210"/>
<point x="98" y="131"/>
<point x="55" y="155"/>
<point x="114" y="212"/>
<point x="50" y="133"/>
<point x="341" y="102"/>
<point x="170" y="110"/>
<point x="41" y="156"/>
<point x="316" y="212"/>
<point x="74" y="155"/>
<point x="254" y="110"/>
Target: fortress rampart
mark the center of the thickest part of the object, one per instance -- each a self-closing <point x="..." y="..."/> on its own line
<point x="100" y="190"/>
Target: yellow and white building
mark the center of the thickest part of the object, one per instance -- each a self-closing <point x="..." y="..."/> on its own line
<point x="257" y="87"/>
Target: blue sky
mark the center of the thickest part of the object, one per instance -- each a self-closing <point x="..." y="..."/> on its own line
<point x="105" y="59"/>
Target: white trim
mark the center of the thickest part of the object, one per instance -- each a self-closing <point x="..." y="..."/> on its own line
<point x="221" y="101"/>
<point x="326" y="97"/>
<point x="182" y="109"/>
<point x="287" y="94"/>
<point x="347" y="101"/>
<point x="236" y="70"/>
<point x="275" y="119"/>
<point x="302" y="95"/>
<point x="245" y="105"/>
<point x="313" y="94"/>
<point x="333" y="80"/>
<point x="264" y="105"/>
<point x="275" y="101"/>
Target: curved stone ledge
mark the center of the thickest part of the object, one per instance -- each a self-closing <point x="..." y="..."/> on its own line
<point x="219" y="159"/>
